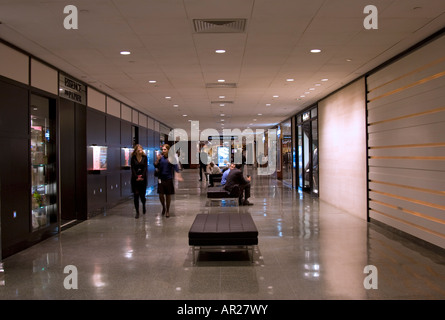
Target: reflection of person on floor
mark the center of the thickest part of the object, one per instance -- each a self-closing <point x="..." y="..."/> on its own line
<point x="165" y="179"/>
<point x="139" y="177"/>
<point x="235" y="179"/>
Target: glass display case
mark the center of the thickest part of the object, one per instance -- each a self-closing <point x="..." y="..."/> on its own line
<point x="43" y="166"/>
<point x="126" y="158"/>
<point x="99" y="158"/>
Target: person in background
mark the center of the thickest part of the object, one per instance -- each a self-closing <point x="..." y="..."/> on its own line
<point x="213" y="171"/>
<point x="165" y="178"/>
<point x="139" y="177"/>
<point x="203" y="160"/>
<point x="226" y="173"/>
<point x="236" y="178"/>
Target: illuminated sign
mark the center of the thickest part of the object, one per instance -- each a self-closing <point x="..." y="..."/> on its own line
<point x="72" y="89"/>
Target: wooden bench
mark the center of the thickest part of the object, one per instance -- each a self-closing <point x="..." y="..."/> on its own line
<point x="223" y="230"/>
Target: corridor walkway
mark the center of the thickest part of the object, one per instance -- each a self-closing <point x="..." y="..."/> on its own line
<point x="307" y="250"/>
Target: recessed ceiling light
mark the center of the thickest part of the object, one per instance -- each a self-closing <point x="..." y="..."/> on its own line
<point x="221" y="104"/>
<point x="267" y="104"/>
<point x="175" y="105"/>
<point x="221" y="97"/>
<point x="290" y="80"/>
<point x="151" y="81"/>
<point x="275" y="96"/>
<point x="222" y="119"/>
<point x="324" y="80"/>
<point x="302" y="96"/>
<point x="125" y="53"/>
<point x="348" y="60"/>
<point x="168" y="97"/>
<point x="184" y="115"/>
<point x="220" y="51"/>
<point x="312" y="89"/>
<point x="317" y="84"/>
<point x="222" y="114"/>
<point x="221" y="80"/>
<point x="260" y="114"/>
<point x="315" y="50"/>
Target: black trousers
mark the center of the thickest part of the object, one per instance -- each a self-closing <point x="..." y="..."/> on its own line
<point x="139" y="190"/>
<point x="244" y="188"/>
<point x="201" y="169"/>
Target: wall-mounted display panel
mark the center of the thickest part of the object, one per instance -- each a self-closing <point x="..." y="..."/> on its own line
<point x="126" y="157"/>
<point x="98" y="156"/>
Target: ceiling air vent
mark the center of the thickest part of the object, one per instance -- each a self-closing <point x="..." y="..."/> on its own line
<point x="221" y="102"/>
<point x="219" y="25"/>
<point x="221" y="85"/>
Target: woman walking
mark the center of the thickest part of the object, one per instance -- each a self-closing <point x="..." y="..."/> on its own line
<point x="166" y="171"/>
<point x="139" y="177"/>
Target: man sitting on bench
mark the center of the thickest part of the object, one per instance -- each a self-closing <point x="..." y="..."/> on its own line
<point x="236" y="178"/>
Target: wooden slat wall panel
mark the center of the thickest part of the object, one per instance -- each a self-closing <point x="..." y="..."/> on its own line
<point x="406" y="143"/>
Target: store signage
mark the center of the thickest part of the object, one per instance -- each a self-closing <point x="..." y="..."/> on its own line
<point x="72" y="89"/>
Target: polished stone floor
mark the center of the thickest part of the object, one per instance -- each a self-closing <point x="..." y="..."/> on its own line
<point x="307" y="250"/>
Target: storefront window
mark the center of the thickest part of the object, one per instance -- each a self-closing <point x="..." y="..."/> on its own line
<point x="307" y="151"/>
<point x="300" y="156"/>
<point x="286" y="132"/>
<point x="315" y="156"/>
<point x="43" y="162"/>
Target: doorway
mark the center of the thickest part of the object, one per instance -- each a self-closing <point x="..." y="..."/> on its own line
<point x="307" y="133"/>
<point x="43" y="162"/>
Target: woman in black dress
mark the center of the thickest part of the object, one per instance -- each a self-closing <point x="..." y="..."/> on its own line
<point x="139" y="177"/>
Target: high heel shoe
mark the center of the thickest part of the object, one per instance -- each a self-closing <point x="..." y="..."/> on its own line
<point x="137" y="215"/>
<point x="144" y="210"/>
<point x="167" y="215"/>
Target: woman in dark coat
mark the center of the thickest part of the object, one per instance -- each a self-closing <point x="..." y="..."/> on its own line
<point x="166" y="175"/>
<point x="139" y="177"/>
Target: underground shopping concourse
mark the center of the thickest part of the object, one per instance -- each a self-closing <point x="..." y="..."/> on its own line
<point x="211" y="158"/>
